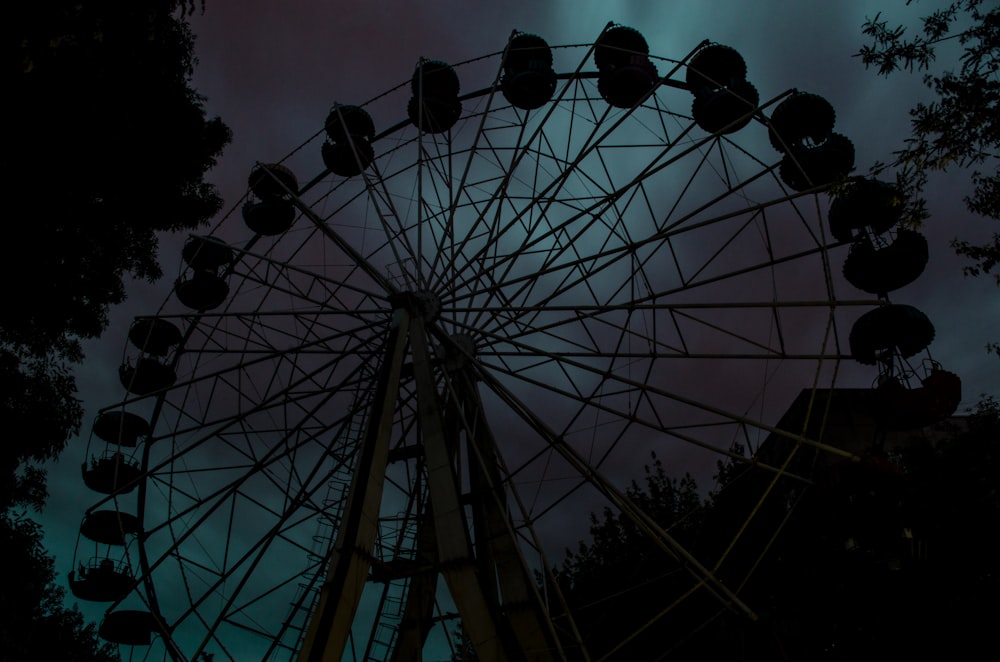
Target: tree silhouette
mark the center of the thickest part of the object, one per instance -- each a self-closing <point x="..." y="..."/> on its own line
<point x="960" y="128"/>
<point x="34" y="625"/>
<point x="106" y="146"/>
<point x="619" y="584"/>
<point x="892" y="557"/>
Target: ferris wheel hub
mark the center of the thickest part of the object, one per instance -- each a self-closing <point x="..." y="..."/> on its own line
<point x="422" y="303"/>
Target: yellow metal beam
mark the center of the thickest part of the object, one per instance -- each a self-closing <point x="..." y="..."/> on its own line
<point x="340" y="594"/>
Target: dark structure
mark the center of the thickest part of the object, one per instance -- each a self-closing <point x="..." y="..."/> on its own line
<point x="152" y="371"/>
<point x="269" y="209"/>
<point x="348" y="149"/>
<point x="208" y="260"/>
<point x="434" y="106"/>
<point x="337" y="415"/>
<point x="724" y="101"/>
<point x="528" y="78"/>
<point x="853" y="555"/>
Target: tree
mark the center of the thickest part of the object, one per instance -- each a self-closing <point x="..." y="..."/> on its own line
<point x="620" y="580"/>
<point x="38" y="408"/>
<point x="34" y="625"/>
<point x="106" y="146"/>
<point x="961" y="127"/>
<point x="893" y="557"/>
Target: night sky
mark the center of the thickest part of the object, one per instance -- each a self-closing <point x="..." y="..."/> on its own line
<point x="272" y="72"/>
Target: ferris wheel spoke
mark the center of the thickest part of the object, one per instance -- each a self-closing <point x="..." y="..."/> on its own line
<point x="390" y="224"/>
<point x="488" y="219"/>
<point x="219" y="571"/>
<point x="234" y="476"/>
<point x="616" y="201"/>
<point x="673" y="431"/>
<point x="528" y="316"/>
<point x="356" y="257"/>
<point x="247" y="360"/>
<point x="417" y="252"/>
<point x="590" y="323"/>
<point x="532" y="361"/>
<point x="232" y="492"/>
<point x="429" y="207"/>
<point x="243" y="569"/>
<point x="653" y="168"/>
<point x="437" y="172"/>
<point x="645" y="523"/>
<point x="662" y="396"/>
<point x="217" y="429"/>
<point x="519" y="151"/>
<point x="486" y="163"/>
<point x="606" y="258"/>
<point x="259" y="273"/>
<point x="543" y="200"/>
<point x="444" y="247"/>
<point x="654" y="244"/>
<point x="595" y="211"/>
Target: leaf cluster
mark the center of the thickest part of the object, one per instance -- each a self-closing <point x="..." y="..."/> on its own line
<point x="877" y="559"/>
<point x="37" y="400"/>
<point x="34" y="624"/>
<point x="107" y="146"/>
<point x="611" y="580"/>
<point x="111" y="148"/>
<point x="960" y="127"/>
<point x="616" y="541"/>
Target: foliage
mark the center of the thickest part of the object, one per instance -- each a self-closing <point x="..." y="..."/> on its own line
<point x="898" y="564"/>
<point x="673" y="503"/>
<point x="961" y="127"/>
<point x="892" y="557"/>
<point x="106" y="146"/>
<point x="37" y="400"/>
<point x="33" y="623"/>
<point x="610" y="582"/>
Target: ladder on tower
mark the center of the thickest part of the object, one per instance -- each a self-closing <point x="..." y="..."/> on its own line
<point x="397" y="539"/>
<point x="328" y="523"/>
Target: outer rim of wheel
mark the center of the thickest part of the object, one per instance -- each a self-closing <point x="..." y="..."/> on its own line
<point x="571" y="363"/>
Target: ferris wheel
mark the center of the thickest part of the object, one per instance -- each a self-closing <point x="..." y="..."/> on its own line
<point x="380" y="401"/>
